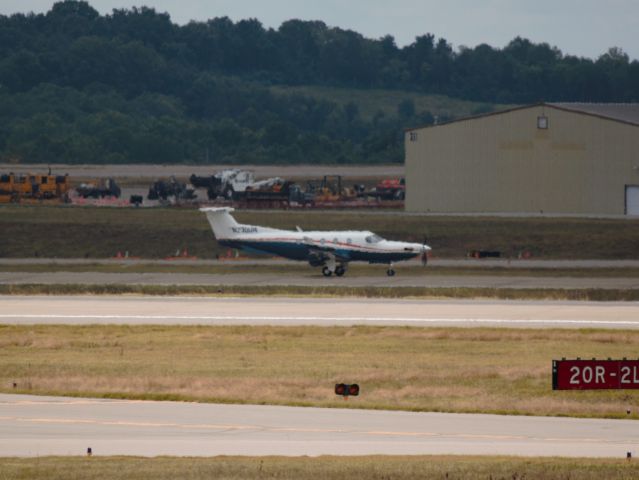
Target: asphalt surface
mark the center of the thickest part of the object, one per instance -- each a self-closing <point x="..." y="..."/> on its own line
<point x="34" y="426"/>
<point x="470" y="263"/>
<point x="313" y="278"/>
<point x="316" y="279"/>
<point x="82" y="310"/>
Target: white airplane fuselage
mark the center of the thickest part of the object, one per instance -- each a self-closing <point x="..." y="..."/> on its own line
<point x="331" y="249"/>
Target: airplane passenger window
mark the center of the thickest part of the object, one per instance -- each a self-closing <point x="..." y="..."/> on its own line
<point x="335" y="240"/>
<point x="349" y="241"/>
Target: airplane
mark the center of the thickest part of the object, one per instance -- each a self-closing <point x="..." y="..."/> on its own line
<point x="331" y="250"/>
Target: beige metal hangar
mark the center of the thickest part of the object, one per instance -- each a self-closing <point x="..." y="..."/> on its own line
<point x="551" y="158"/>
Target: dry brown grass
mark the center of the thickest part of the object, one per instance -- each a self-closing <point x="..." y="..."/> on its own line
<point x="460" y="370"/>
<point x="377" y="467"/>
<point x="579" y="294"/>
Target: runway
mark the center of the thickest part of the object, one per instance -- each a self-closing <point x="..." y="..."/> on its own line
<point x="36" y="426"/>
<point x="316" y="279"/>
<point x="82" y="310"/>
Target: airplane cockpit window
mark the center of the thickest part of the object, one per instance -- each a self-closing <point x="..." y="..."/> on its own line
<point x="373" y="238"/>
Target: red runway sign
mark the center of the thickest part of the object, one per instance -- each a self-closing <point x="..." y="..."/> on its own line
<point x="595" y="374"/>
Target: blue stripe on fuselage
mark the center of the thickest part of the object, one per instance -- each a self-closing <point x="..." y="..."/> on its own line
<point x="300" y="251"/>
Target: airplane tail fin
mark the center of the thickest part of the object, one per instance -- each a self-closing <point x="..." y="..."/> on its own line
<point x="222" y="223"/>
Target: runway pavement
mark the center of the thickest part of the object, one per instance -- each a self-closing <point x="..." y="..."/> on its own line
<point x="316" y="279"/>
<point x="23" y="310"/>
<point x="470" y="263"/>
<point x="36" y="426"/>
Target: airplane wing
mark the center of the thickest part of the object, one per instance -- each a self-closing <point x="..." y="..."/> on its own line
<point x="327" y="254"/>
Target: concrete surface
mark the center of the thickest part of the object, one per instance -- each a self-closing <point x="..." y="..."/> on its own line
<point x="26" y="310"/>
<point x="470" y="263"/>
<point x="315" y="279"/>
<point x="35" y="426"/>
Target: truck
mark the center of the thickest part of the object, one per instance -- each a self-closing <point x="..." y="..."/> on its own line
<point x="99" y="189"/>
<point x="225" y="183"/>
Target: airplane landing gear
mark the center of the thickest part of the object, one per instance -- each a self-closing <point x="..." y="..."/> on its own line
<point x="339" y="270"/>
<point x="390" y="272"/>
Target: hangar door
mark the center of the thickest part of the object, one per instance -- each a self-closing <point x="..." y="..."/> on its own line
<point x="632" y="199"/>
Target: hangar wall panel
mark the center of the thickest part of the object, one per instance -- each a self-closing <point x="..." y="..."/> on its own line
<point x="502" y="162"/>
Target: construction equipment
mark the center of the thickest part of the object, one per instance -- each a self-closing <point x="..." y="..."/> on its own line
<point x="225" y="183"/>
<point x="99" y="189"/>
<point x="18" y="188"/>
<point x="272" y="191"/>
<point x="162" y="190"/>
<point x="330" y="189"/>
<point x="389" y="189"/>
<point x="6" y="188"/>
<point x="22" y="187"/>
<point x="63" y="186"/>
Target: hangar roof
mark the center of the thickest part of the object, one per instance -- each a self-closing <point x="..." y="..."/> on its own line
<point x="624" y="112"/>
<point x="621" y="112"/>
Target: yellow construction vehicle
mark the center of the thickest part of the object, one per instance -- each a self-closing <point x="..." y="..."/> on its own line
<point x="6" y="188"/>
<point x="22" y="187"/>
<point x="62" y="186"/>
<point x="30" y="187"/>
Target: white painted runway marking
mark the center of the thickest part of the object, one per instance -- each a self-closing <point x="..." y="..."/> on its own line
<point x="258" y="318"/>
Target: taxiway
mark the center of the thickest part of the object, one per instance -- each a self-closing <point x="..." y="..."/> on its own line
<point x="36" y="426"/>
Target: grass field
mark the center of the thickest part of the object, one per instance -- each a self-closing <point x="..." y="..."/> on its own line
<point x="372" y="101"/>
<point x="435" y="369"/>
<point x="585" y="294"/>
<point x="73" y="232"/>
<point x="376" y="467"/>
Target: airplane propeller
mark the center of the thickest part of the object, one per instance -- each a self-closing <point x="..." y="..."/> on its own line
<point x="424" y="253"/>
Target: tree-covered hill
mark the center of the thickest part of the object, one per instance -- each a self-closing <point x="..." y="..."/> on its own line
<point x="132" y="86"/>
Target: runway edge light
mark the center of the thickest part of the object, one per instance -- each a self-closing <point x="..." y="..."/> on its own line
<point x="346" y="390"/>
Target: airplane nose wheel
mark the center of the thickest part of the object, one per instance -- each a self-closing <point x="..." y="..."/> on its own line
<point x="327" y="272"/>
<point x="390" y="272"/>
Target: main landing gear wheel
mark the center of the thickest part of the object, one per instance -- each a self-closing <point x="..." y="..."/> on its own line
<point x="327" y="272"/>
<point x="339" y="271"/>
<point x="390" y="272"/>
